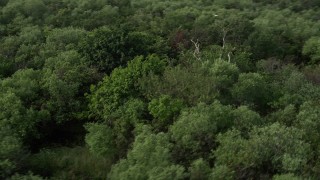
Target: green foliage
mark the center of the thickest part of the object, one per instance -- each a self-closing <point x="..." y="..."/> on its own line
<point x="288" y="176"/>
<point x="195" y="130"/>
<point x="113" y="137"/>
<point x="164" y="110"/>
<point x="184" y="15"/>
<point x="155" y="87"/>
<point x="121" y="85"/>
<point x="246" y="119"/>
<point x="199" y="169"/>
<point x="307" y="120"/>
<point x="61" y="39"/>
<point x="19" y="51"/>
<point x="284" y="116"/>
<point x="104" y="49"/>
<point x="312" y="49"/>
<point x="312" y="74"/>
<point x="89" y="15"/>
<point x="222" y="172"/>
<point x="64" y="78"/>
<point x="234" y="4"/>
<point x="225" y="27"/>
<point x="271" y="148"/>
<point x="274" y="38"/>
<point x="32" y="8"/>
<point x="252" y="89"/>
<point x="107" y="49"/>
<point x="100" y="140"/>
<point x="190" y="84"/>
<point x="15" y="116"/>
<point x="25" y="84"/>
<point x="10" y="149"/>
<point x="29" y="176"/>
<point x="294" y="88"/>
<point x="69" y="163"/>
<point x="226" y="74"/>
<point x="124" y="120"/>
<point x="149" y="158"/>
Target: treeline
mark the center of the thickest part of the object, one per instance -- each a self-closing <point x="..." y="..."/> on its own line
<point x="159" y="89"/>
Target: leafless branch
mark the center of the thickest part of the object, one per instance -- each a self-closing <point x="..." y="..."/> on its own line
<point x="196" y="52"/>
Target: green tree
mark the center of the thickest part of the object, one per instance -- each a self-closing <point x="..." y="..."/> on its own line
<point x="20" y="51"/>
<point x="25" y="84"/>
<point x="307" y="120"/>
<point x="104" y="48"/>
<point x="107" y="48"/>
<point x="246" y="119"/>
<point x="222" y="172"/>
<point x="149" y="158"/>
<point x="61" y="39"/>
<point x="195" y="131"/>
<point x="21" y="105"/>
<point x="124" y="120"/>
<point x="289" y="176"/>
<point x="31" y="39"/>
<point x="100" y="140"/>
<point x="10" y="150"/>
<point x="164" y="110"/>
<point x="122" y="85"/>
<point x="312" y="48"/>
<point x="269" y="149"/>
<point x="281" y="34"/>
<point x="32" y="9"/>
<point x="293" y="88"/>
<point x="21" y="120"/>
<point x="199" y="169"/>
<point x="191" y="84"/>
<point x="28" y="176"/>
<point x="64" y="80"/>
<point x="226" y="74"/>
<point x="66" y="163"/>
<point x="285" y="116"/>
<point x="252" y="89"/>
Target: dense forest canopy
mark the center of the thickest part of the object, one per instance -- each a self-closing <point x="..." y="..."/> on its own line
<point x="159" y="89"/>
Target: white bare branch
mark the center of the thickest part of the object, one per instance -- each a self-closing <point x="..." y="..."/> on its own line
<point x="196" y="52"/>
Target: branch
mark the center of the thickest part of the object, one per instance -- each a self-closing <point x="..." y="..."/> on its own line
<point x="196" y="52"/>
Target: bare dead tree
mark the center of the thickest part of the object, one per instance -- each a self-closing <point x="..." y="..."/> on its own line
<point x="229" y="57"/>
<point x="196" y="52"/>
<point x="224" y="49"/>
<point x="224" y="35"/>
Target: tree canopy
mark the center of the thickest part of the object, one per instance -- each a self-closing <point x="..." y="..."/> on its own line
<point x="159" y="89"/>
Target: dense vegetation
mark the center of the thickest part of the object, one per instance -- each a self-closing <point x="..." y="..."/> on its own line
<point x="159" y="89"/>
